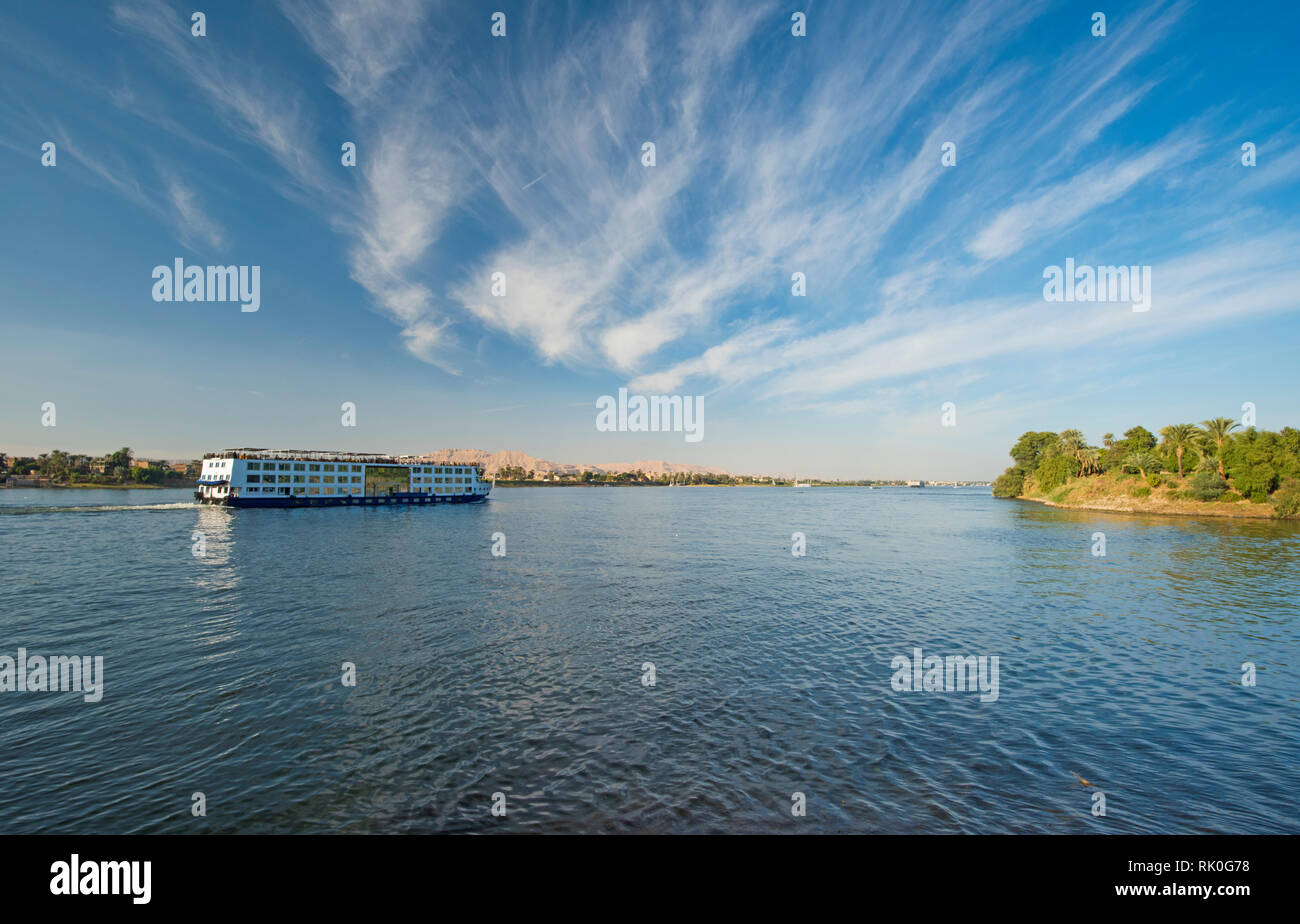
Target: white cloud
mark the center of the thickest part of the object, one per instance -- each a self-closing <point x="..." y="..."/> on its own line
<point x="599" y="273"/>
<point x="253" y="108"/>
<point x="194" y="225"/>
<point x="1056" y="208"/>
<point x="1226" y="283"/>
<point x="827" y="165"/>
<point x="410" y="177"/>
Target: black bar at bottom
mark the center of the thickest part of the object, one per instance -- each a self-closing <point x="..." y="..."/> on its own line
<point x="336" y="873"/>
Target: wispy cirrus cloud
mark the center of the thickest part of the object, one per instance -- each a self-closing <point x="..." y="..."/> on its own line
<point x="196" y="226"/>
<point x="1049" y="210"/>
<point x="1225" y="283"/>
<point x="774" y="155"/>
<point x="602" y="271"/>
<point x="379" y="60"/>
<point x="258" y="110"/>
<point x="390" y="76"/>
<point x="105" y="169"/>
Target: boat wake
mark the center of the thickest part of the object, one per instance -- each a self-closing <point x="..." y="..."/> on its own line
<point x="94" y="508"/>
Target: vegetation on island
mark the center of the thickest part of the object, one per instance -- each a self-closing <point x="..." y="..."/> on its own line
<point x="117" y="469"/>
<point x="1214" y="467"/>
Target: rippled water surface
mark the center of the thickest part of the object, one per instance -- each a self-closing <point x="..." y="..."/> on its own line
<point x="523" y="674"/>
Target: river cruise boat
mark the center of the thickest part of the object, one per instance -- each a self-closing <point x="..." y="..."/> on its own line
<point x="306" y="478"/>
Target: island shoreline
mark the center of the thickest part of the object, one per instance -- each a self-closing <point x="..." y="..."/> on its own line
<point x="1266" y="511"/>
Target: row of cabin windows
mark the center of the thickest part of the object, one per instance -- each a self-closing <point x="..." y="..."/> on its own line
<point x="330" y="467"/>
<point x="342" y="479"/>
<point x="356" y="479"/>
<point x="301" y="467"/>
<point x="300" y="479"/>
<point x="350" y="489"/>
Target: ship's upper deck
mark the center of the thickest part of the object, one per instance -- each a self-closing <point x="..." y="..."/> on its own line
<point x="336" y="455"/>
<point x="307" y="455"/>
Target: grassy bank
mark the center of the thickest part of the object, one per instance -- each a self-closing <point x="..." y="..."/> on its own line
<point x="1128" y="493"/>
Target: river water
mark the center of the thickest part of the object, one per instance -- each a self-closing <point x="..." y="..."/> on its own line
<point x="527" y="674"/>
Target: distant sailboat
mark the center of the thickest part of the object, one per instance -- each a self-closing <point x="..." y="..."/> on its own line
<point x="798" y="485"/>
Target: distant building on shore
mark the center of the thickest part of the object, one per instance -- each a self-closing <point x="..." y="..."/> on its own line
<point x="158" y="463"/>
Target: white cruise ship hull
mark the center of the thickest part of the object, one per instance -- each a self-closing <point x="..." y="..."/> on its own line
<point x="359" y="501"/>
<point x="303" y="478"/>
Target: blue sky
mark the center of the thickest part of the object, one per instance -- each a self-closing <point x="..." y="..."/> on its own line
<point x="775" y="154"/>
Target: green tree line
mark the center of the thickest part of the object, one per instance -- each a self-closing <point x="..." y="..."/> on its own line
<point x="1217" y="460"/>
<point x="60" y="467"/>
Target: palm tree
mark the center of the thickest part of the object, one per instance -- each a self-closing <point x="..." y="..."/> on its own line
<point x="1073" y="443"/>
<point x="1143" y="461"/>
<point x="1179" y="438"/>
<point x="1090" y="457"/>
<point x="1217" y="430"/>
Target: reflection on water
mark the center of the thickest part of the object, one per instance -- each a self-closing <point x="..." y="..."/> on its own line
<point x="523" y="674"/>
<point x="216" y="579"/>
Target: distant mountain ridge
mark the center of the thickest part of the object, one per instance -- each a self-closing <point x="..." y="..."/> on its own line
<point x="493" y="462"/>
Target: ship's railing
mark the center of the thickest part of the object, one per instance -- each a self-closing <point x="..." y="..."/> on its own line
<point x="304" y="455"/>
<point x="326" y="455"/>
